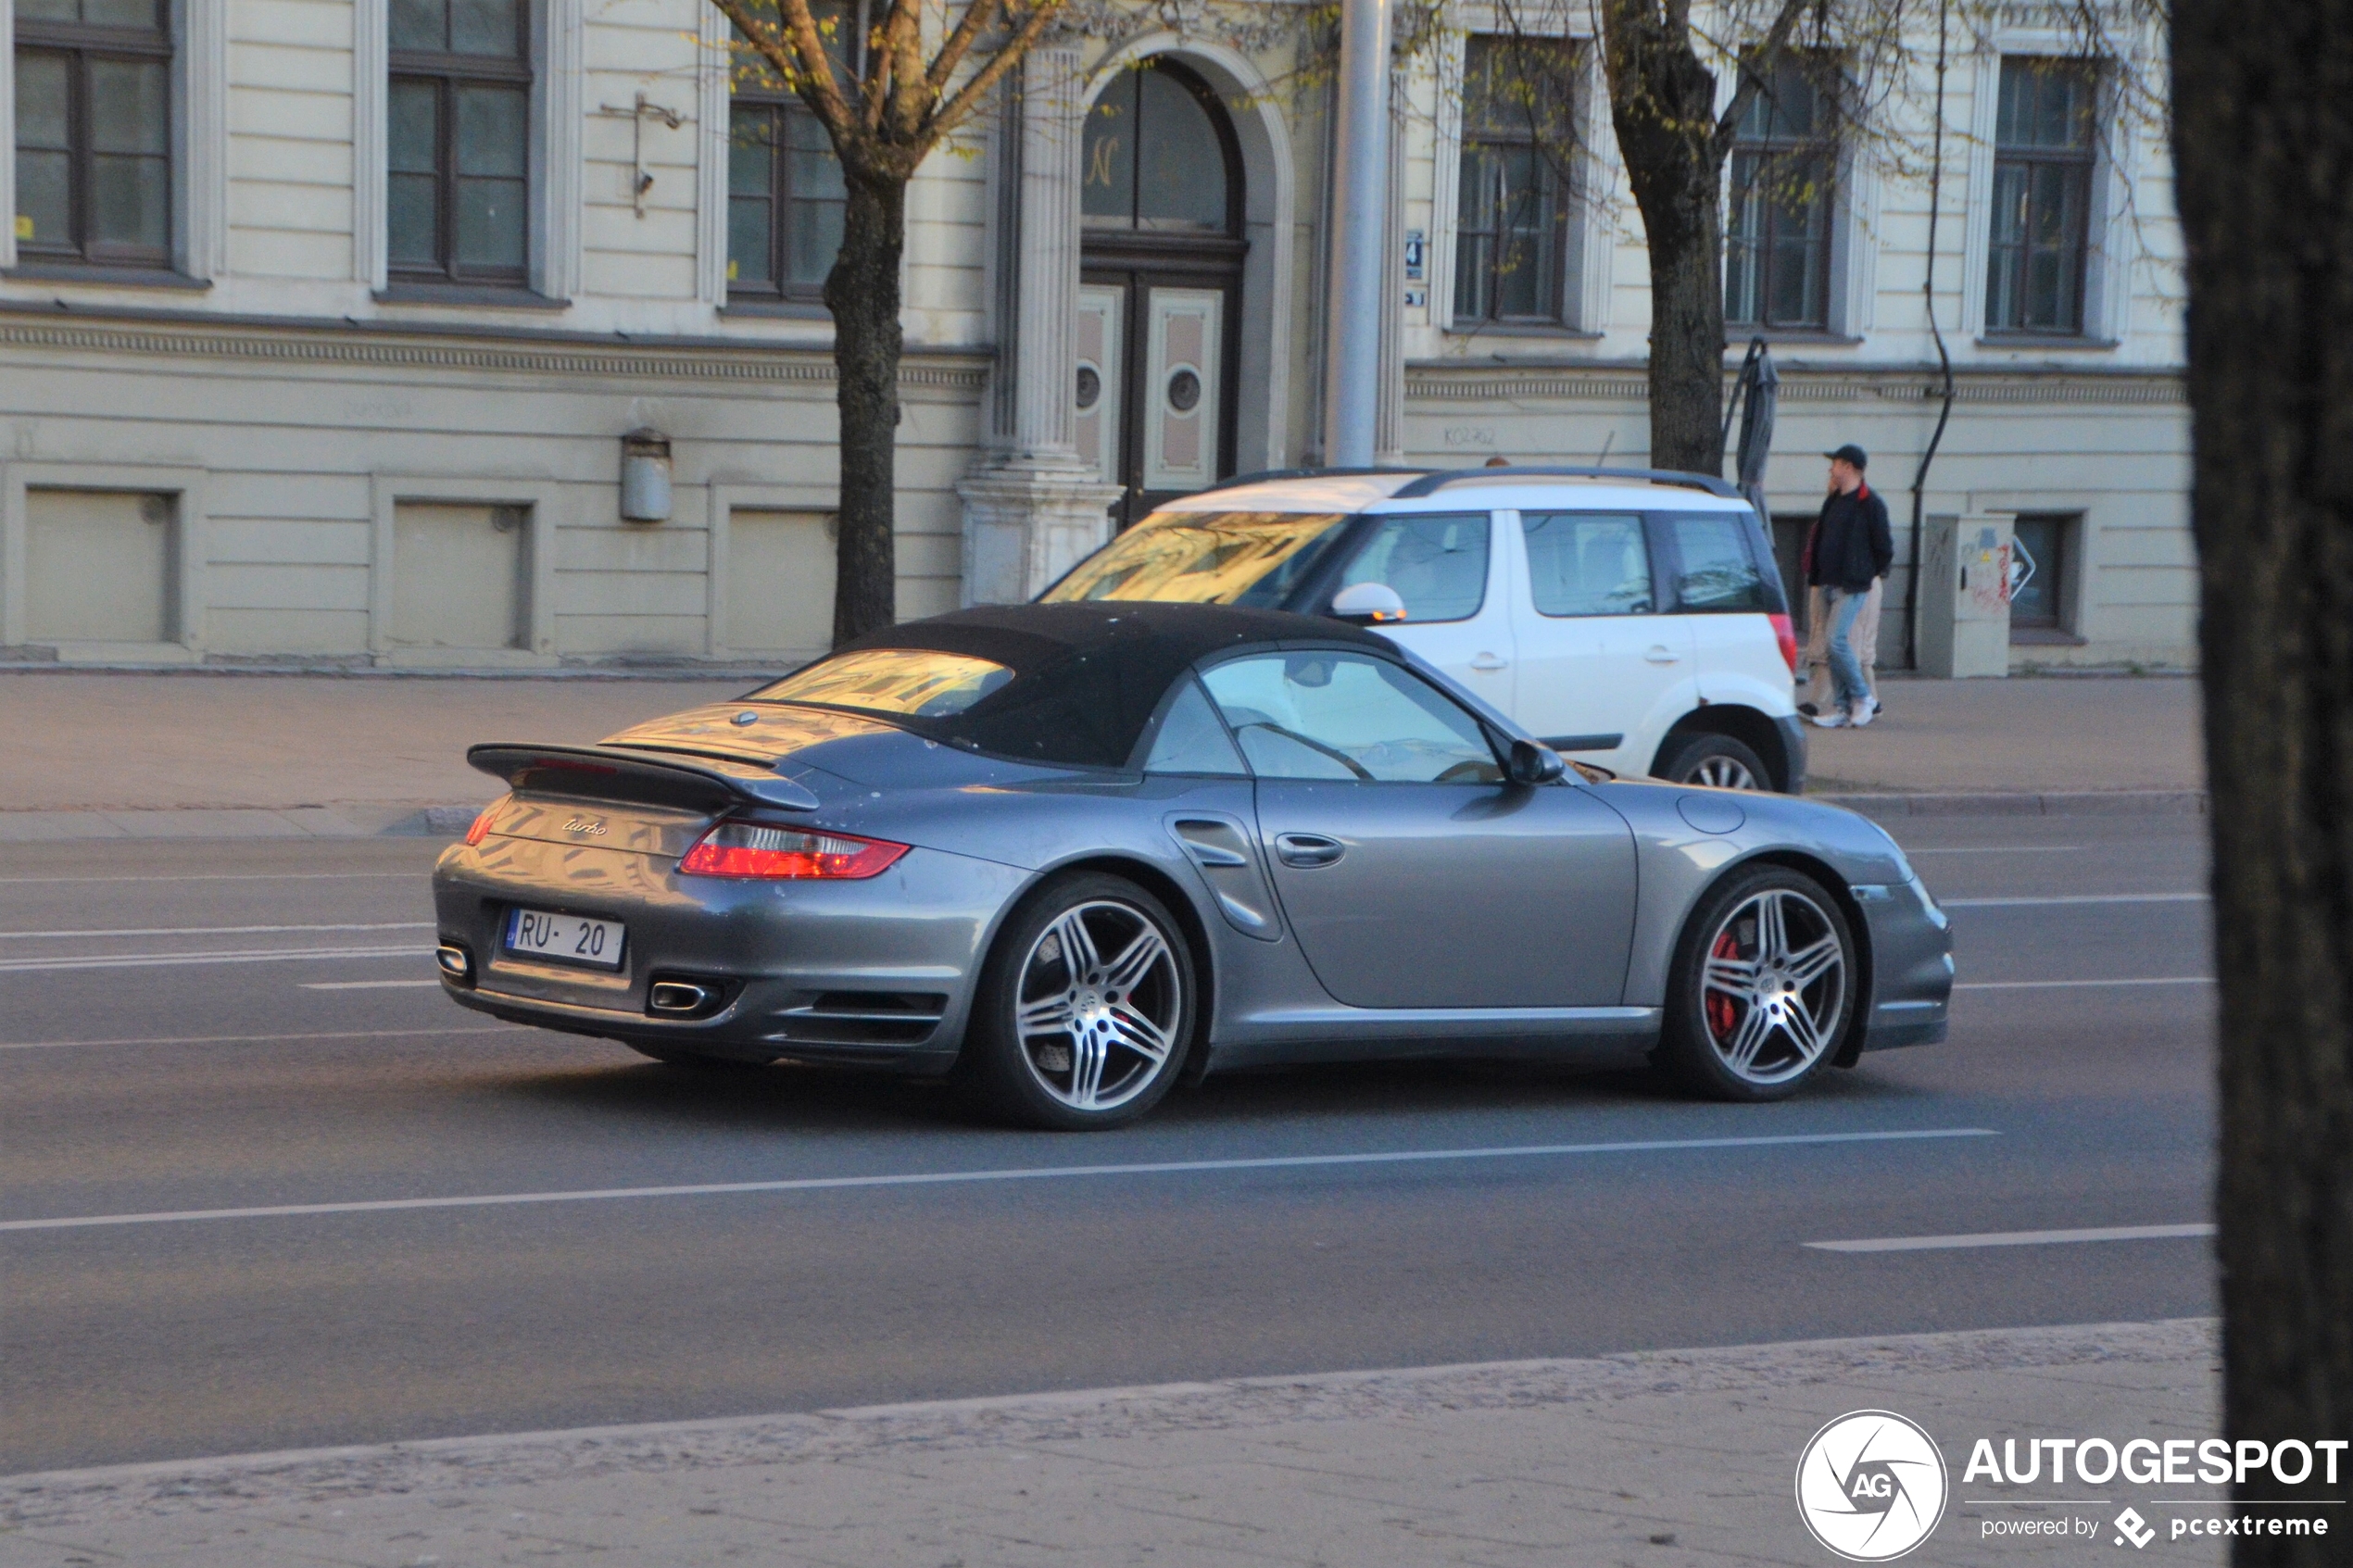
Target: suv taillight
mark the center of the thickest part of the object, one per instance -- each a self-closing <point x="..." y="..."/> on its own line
<point x="748" y="850"/>
<point x="1785" y="634"/>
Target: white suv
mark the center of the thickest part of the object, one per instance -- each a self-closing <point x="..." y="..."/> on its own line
<point x="1629" y="617"/>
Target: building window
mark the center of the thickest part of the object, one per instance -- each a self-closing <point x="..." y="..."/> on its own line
<point x="1777" y="243"/>
<point x="458" y="181"/>
<point x="2039" y="604"/>
<point x="2042" y="161"/>
<point x="94" y="131"/>
<point x="784" y="192"/>
<point x="1511" y="232"/>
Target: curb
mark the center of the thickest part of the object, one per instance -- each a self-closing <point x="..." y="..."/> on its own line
<point x="2003" y="802"/>
<point x="386" y="820"/>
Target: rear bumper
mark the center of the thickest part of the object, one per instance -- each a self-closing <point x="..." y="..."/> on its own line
<point x="878" y="972"/>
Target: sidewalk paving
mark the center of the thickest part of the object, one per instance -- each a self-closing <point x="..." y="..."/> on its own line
<point x="218" y="755"/>
<point x="1657" y="1460"/>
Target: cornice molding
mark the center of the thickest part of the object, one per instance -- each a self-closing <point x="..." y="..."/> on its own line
<point x="1618" y="383"/>
<point x="394" y="347"/>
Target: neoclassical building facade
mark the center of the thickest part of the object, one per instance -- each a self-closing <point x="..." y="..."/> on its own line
<point x="329" y="329"/>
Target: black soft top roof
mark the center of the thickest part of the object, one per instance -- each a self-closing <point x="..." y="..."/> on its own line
<point x="1088" y="677"/>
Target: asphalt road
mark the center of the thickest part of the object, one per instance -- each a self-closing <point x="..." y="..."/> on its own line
<point x="154" y="1061"/>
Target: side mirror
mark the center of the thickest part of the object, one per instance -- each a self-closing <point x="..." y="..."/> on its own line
<point x="1533" y="764"/>
<point x="1367" y="603"/>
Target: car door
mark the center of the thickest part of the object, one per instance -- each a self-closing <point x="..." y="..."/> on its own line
<point x="1722" y="586"/>
<point x="1456" y="584"/>
<point x="1412" y="874"/>
<point x="1603" y="674"/>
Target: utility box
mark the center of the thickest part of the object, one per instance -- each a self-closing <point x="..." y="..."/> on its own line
<point x="1965" y="596"/>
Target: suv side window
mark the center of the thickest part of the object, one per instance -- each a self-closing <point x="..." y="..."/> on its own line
<point x="1436" y="562"/>
<point x="1714" y="568"/>
<point x="1588" y="563"/>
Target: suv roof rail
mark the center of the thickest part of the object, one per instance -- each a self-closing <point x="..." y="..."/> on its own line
<point x="1430" y="483"/>
<point x="1263" y="475"/>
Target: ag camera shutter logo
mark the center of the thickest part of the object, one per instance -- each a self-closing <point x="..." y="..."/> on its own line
<point x="1872" y="1486"/>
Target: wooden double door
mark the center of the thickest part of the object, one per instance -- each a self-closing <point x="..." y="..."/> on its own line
<point x="1158" y="337"/>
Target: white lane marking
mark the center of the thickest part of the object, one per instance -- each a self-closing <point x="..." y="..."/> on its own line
<point x="263" y="1039"/>
<point x="2074" y="898"/>
<point x="214" y="930"/>
<point x="2079" y="985"/>
<point x="364" y="985"/>
<point x="2000" y="849"/>
<point x="217" y="876"/>
<point x="2011" y="1238"/>
<point x="249" y="955"/>
<point x="953" y="1178"/>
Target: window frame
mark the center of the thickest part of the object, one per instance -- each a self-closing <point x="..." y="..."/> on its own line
<point x="1774" y="153"/>
<point x="2085" y="163"/>
<point x="2057" y="570"/>
<point x="82" y="43"/>
<point x="447" y="71"/>
<point x="749" y="87"/>
<point x="1560" y="196"/>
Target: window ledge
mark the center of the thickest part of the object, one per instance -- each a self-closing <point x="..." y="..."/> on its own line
<point x="777" y="310"/>
<point x="1474" y="331"/>
<point x="1734" y="330"/>
<point x="2074" y="341"/>
<point x="461" y="293"/>
<point x="98" y="276"/>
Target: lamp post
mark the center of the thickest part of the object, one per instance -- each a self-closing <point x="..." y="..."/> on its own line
<point x="1360" y="231"/>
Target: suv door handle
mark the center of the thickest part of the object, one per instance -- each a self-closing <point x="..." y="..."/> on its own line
<point x="1308" y="851"/>
<point x="1661" y="654"/>
<point x="1490" y="662"/>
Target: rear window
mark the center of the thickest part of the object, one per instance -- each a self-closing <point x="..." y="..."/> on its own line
<point x="1254" y="559"/>
<point x="1715" y="570"/>
<point x="917" y="682"/>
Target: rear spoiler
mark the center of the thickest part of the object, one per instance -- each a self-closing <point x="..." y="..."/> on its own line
<point x="639" y="778"/>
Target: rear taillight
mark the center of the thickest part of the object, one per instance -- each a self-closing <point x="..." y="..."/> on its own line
<point x="1785" y="634"/>
<point x="798" y="854"/>
<point x="481" y="828"/>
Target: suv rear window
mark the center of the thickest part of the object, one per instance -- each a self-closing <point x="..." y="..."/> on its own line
<point x="1254" y="559"/>
<point x="1715" y="570"/>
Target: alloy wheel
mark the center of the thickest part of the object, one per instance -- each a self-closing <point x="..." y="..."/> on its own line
<point x="1774" y="986"/>
<point x="1723" y="772"/>
<point x="1099" y="1005"/>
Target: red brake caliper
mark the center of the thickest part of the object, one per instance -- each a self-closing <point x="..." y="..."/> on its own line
<point x="1721" y="1017"/>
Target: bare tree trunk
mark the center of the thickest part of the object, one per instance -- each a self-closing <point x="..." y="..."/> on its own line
<point x="2263" y="144"/>
<point x="862" y="292"/>
<point x="1663" y="105"/>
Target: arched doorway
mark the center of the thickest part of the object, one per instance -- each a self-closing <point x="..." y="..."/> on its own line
<point x="1159" y="302"/>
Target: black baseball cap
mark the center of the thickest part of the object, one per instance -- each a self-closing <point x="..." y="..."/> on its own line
<point x="1850" y="453"/>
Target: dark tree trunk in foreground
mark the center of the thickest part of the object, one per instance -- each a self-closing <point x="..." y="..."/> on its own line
<point x="2263" y="105"/>
<point x="1662" y="107"/>
<point x="862" y="292"/>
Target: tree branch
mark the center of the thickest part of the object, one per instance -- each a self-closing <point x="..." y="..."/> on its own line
<point x="797" y="52"/>
<point x="1749" y="81"/>
<point x="958" y="108"/>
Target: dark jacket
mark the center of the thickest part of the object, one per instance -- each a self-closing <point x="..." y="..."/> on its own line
<point x="1850" y="544"/>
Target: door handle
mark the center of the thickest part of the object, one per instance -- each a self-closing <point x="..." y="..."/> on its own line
<point x="1488" y="661"/>
<point x="1308" y="851"/>
<point x="1661" y="654"/>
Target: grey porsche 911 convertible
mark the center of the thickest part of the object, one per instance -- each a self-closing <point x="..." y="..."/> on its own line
<point x="1075" y="854"/>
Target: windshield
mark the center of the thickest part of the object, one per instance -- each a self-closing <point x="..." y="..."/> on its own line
<point x="919" y="683"/>
<point x="1254" y="559"/>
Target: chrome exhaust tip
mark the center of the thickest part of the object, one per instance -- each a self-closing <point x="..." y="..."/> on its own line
<point x="456" y="962"/>
<point x="679" y="997"/>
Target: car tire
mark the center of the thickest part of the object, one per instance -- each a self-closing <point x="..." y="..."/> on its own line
<point x="1085" y="1046"/>
<point x="698" y="1061"/>
<point x="1762" y="989"/>
<point x="1719" y="762"/>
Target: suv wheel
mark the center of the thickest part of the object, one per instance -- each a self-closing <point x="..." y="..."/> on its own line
<point x="1719" y="762"/>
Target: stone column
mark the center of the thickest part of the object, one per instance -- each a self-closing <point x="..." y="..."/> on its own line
<point x="1035" y="509"/>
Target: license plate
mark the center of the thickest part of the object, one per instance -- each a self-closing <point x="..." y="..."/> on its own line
<point x="537" y="933"/>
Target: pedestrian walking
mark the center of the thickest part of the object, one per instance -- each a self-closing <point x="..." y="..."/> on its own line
<point x="1847" y="557"/>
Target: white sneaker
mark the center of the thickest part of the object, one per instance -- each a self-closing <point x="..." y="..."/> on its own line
<point x="1861" y="714"/>
<point x="1834" y="719"/>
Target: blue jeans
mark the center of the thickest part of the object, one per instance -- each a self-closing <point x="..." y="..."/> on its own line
<point x="1843" y="605"/>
